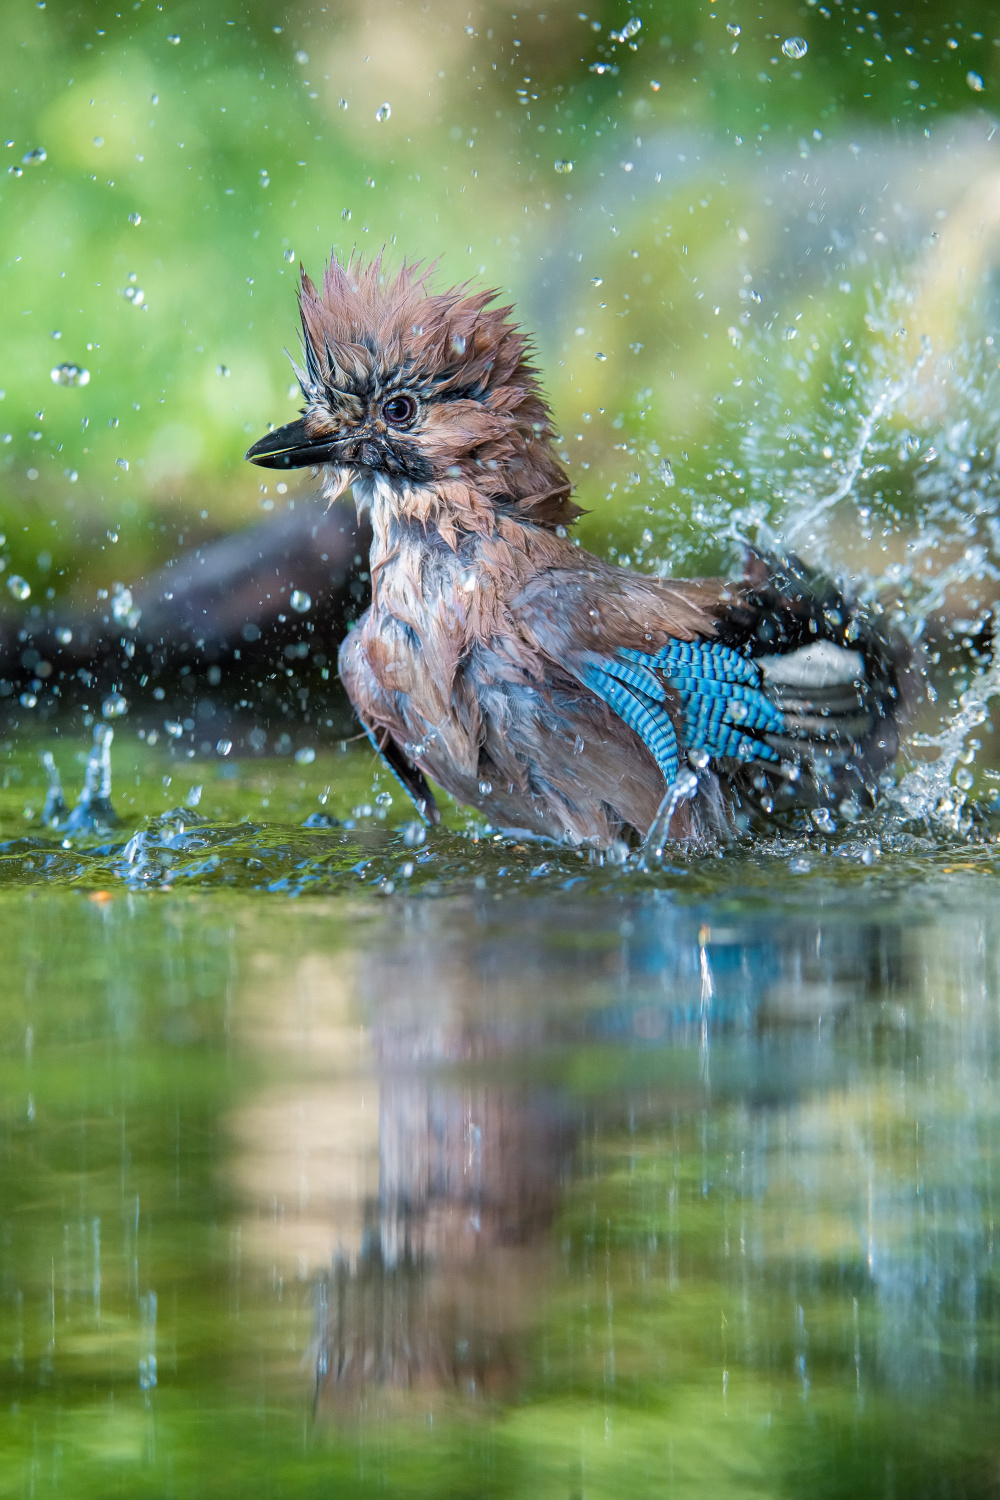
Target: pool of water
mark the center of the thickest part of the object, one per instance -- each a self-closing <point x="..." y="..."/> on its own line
<point x="480" y="1168"/>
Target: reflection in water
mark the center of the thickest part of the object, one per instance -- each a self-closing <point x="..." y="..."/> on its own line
<point x="506" y="1110"/>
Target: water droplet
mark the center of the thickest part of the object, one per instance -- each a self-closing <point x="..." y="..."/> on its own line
<point x="302" y="57"/>
<point x="342" y="103"/>
<point x="345" y="213"/>
<point x="36" y="157"/>
<point x="122" y="463"/>
<point x="193" y="797"/>
<point x="369" y="182"/>
<point x="383" y="112"/>
<point x="795" y="47"/>
<point x="28" y="700"/>
<point x="655" y="85"/>
<point x="300" y="601"/>
<point x="70" y="375"/>
<point x="98" y="140"/>
<point x="223" y="747"/>
<point x="384" y="799"/>
<point x="265" y="180"/>
<point x="135" y="219"/>
<point x="666" y="473"/>
<point x="173" y="39"/>
<point x="823" y="819"/>
<point x="289" y="255"/>
<point x="19" y="587"/>
<point x="174" y="729"/>
<point x="631" y="28"/>
<point x="414" y="834"/>
<point x="600" y="356"/>
<point x="975" y="82"/>
<point x="485" y="788"/>
<point x="305" y="756"/>
<point x="222" y="370"/>
<point x="563" y="165"/>
<point x="123" y="605"/>
<point x="578" y="745"/>
<point x="114" y="706"/>
<point x="15" y="171"/>
<point x="64" y="635"/>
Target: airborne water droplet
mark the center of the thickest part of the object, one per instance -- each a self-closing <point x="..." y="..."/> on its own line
<point x="135" y="219"/>
<point x="305" y="756"/>
<point x="114" y="706"/>
<point x="795" y="47"/>
<point x="36" y="157"/>
<point x="18" y="586"/>
<point x="222" y="370"/>
<point x="300" y="601"/>
<point x="289" y="255"/>
<point x="70" y="375"/>
<point x="563" y="165"/>
<point x="975" y="82"/>
<point x="383" y="112"/>
<point x="173" y="40"/>
<point x="485" y="788"/>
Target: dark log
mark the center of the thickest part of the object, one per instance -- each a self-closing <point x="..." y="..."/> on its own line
<point x="211" y="642"/>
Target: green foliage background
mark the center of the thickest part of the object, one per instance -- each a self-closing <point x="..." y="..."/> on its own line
<point x="246" y="140"/>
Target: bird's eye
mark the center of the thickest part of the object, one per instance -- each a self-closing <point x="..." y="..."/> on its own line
<point x="399" y="411"/>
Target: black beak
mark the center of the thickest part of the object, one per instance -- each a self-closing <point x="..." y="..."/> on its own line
<point x="289" y="447"/>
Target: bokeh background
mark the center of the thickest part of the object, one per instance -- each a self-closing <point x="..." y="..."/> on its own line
<point x="757" y="246"/>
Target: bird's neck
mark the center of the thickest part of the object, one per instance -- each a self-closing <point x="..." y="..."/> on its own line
<point x="446" y="543"/>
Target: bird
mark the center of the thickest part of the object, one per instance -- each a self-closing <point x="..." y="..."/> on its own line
<point x="563" y="696"/>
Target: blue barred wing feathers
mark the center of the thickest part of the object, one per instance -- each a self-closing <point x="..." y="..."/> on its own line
<point x="724" y="711"/>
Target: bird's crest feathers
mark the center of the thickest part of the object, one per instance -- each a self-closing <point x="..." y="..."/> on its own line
<point x="367" y="334"/>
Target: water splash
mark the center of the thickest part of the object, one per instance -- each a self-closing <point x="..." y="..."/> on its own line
<point x="93" y="810"/>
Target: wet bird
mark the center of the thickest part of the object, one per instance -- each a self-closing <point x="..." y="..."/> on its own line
<point x="559" y="694"/>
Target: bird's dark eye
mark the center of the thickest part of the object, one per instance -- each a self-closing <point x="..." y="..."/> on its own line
<point x="399" y="411"/>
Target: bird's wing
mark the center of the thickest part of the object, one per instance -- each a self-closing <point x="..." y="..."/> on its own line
<point x="701" y="693"/>
<point x="778" y="671"/>
<point x="410" y="777"/>
<point x="647" y="648"/>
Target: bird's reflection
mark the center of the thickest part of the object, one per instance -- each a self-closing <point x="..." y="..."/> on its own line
<point x="416" y="1173"/>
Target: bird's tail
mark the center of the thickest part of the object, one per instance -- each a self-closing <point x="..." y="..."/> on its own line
<point x="844" y="680"/>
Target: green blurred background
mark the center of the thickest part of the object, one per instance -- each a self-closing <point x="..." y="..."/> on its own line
<point x="741" y="178"/>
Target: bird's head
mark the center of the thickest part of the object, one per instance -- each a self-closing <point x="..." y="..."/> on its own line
<point x="420" y="387"/>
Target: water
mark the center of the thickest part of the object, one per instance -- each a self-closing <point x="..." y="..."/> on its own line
<point x="512" y="1190"/>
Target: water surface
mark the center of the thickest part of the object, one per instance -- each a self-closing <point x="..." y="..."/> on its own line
<point x="485" y="1169"/>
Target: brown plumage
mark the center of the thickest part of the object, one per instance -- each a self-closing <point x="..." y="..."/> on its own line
<point x="496" y="656"/>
